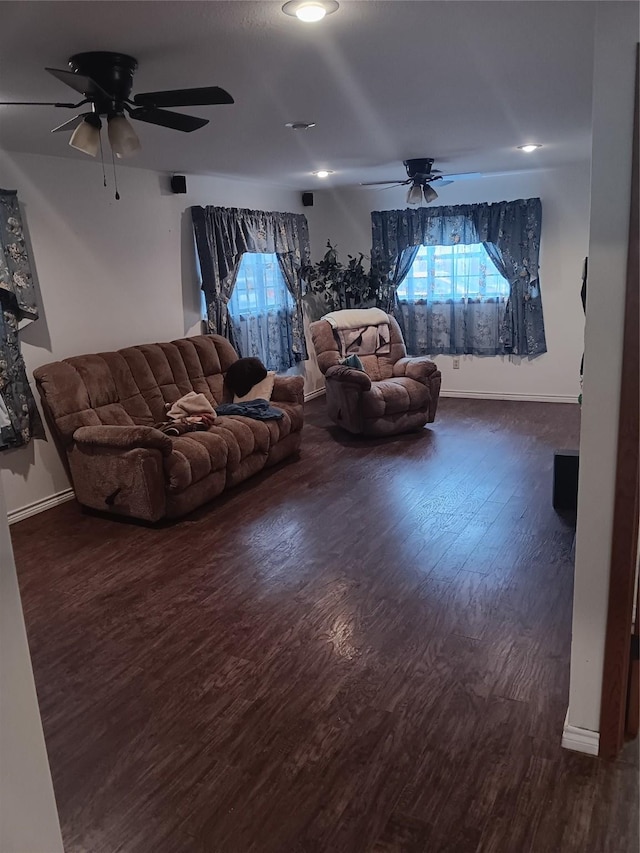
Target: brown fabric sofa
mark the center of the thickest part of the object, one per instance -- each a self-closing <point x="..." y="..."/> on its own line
<point x="395" y="393"/>
<point x="102" y="409"/>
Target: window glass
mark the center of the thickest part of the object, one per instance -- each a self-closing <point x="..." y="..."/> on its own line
<point x="443" y="273"/>
<point x="260" y="287"/>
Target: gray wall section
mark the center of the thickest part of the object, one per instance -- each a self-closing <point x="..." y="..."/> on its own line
<point x="28" y="816"/>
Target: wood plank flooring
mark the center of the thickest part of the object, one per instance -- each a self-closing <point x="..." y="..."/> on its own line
<point x="363" y="651"/>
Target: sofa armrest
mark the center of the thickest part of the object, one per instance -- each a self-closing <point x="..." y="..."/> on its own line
<point x="419" y="368"/>
<point x="123" y="437"/>
<point x="288" y="389"/>
<point x="348" y="376"/>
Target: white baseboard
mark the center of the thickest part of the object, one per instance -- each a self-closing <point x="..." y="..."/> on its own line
<point x="319" y="392"/>
<point x="580" y="740"/>
<point x="40" y="506"/>
<point x="486" y="395"/>
<point x="498" y="395"/>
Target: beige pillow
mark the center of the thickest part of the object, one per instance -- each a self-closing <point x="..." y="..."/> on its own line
<point x="262" y="391"/>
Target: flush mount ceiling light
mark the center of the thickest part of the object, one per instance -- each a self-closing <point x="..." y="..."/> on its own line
<point x="310" y="11"/>
<point x="322" y="173"/>
<point x="529" y="147"/>
<point x="300" y="125"/>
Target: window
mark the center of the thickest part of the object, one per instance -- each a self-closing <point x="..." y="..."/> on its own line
<point x="453" y="273"/>
<point x="260" y="287"/>
<point x="261" y="310"/>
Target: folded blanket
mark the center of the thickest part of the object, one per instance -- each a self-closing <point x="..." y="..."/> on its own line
<point x="191" y="404"/>
<point x="353" y="318"/>
<point x="364" y="340"/>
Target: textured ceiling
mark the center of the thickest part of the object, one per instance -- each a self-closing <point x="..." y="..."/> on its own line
<point x="464" y="82"/>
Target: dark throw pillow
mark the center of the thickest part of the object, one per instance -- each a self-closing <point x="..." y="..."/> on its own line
<point x="244" y="374"/>
<point x="352" y="361"/>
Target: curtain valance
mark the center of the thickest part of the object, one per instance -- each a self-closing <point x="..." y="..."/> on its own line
<point x="224" y="234"/>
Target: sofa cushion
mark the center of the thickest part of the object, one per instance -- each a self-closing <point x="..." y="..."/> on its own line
<point x="243" y="435"/>
<point x="391" y="396"/>
<point x="194" y="456"/>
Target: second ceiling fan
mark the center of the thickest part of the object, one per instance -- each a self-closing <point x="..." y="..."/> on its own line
<point x="420" y="176"/>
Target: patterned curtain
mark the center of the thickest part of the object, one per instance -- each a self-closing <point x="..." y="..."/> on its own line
<point x="262" y="310"/>
<point x="19" y="417"/>
<point x="224" y="234"/>
<point x="511" y="234"/>
<point x="399" y="272"/>
<point x="453" y="302"/>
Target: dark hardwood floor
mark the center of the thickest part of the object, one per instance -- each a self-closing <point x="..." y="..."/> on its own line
<point x="363" y="650"/>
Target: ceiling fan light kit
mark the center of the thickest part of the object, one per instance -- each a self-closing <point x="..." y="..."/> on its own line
<point x="429" y="193"/>
<point x="122" y="137"/>
<point x="414" y="196"/>
<point x="86" y="136"/>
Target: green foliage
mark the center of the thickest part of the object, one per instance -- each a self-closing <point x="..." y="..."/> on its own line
<point x="349" y="286"/>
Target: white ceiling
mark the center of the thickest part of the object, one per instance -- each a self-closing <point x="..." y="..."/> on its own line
<point x="464" y="82"/>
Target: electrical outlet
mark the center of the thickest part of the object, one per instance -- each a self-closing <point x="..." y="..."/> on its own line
<point x="456" y="364"/>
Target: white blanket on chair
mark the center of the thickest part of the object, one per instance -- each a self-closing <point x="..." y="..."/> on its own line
<point x="356" y="318"/>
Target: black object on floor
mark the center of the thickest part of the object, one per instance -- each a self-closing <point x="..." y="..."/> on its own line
<point x="565" y="479"/>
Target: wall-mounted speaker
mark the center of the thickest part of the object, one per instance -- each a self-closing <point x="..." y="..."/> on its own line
<point x="178" y="184"/>
<point x="307" y="199"/>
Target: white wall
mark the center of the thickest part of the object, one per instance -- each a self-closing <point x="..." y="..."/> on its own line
<point x="110" y="273"/>
<point x="613" y="98"/>
<point x="28" y="816"/>
<point x="344" y="217"/>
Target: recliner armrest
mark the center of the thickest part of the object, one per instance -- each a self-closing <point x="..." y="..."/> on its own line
<point x="348" y="376"/>
<point x="419" y="368"/>
<point x="288" y="389"/>
<point x="123" y="437"/>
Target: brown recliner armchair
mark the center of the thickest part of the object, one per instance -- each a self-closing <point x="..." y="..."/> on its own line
<point x="394" y="393"/>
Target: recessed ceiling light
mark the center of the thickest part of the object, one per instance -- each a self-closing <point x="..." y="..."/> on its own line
<point x="310" y="11"/>
<point x="322" y="173"/>
<point x="531" y="146"/>
<point x="300" y="125"/>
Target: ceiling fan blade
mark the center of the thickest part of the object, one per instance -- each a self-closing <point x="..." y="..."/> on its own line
<point x="444" y="183"/>
<point x="464" y="176"/>
<point x="38" y="104"/>
<point x="82" y="84"/>
<point x="165" y="118"/>
<point x="203" y="97"/>
<point x="387" y="183"/>
<point x="74" y="122"/>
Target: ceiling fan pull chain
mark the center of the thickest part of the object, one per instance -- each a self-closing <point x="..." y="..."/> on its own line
<point x="104" y="175"/>
<point x="115" y="177"/>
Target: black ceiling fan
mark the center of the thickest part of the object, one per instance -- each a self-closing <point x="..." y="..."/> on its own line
<point x="105" y="81"/>
<point x="420" y="175"/>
